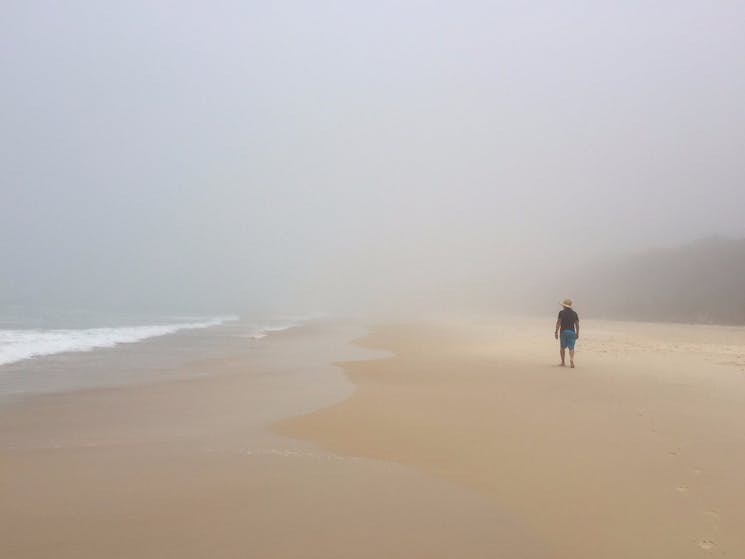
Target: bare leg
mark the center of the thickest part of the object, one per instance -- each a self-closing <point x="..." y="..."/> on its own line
<point x="562" y="357"/>
<point x="571" y="358"/>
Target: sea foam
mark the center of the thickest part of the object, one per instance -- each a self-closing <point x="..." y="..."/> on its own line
<point x="17" y="345"/>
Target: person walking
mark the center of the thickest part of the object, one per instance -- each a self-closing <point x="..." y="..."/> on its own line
<point x="568" y="324"/>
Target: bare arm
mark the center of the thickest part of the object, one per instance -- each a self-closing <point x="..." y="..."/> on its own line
<point x="556" y="330"/>
<point x="576" y="327"/>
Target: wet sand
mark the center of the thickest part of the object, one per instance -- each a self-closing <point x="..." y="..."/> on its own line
<point x="189" y="468"/>
<point x="638" y="452"/>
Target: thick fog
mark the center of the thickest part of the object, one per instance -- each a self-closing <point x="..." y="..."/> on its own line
<point x="332" y="156"/>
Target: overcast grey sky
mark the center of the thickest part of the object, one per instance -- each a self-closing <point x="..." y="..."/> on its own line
<point x="221" y="154"/>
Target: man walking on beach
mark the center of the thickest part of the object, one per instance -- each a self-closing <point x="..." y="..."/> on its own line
<point x="568" y="322"/>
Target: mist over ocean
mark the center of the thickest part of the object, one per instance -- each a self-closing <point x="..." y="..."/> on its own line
<point x="354" y="158"/>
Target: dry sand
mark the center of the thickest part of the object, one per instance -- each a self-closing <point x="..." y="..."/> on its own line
<point x="639" y="452"/>
<point x="468" y="442"/>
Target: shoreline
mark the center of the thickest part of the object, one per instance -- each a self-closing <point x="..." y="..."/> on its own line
<point x="162" y="357"/>
<point x="190" y="468"/>
<point x="250" y="360"/>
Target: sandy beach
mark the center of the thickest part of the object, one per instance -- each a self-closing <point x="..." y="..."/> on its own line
<point x="453" y="439"/>
<point x="639" y="452"/>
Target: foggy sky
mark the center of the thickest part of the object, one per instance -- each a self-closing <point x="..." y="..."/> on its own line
<point x="228" y="155"/>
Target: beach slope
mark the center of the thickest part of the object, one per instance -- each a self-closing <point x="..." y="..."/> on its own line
<point x="638" y="452"/>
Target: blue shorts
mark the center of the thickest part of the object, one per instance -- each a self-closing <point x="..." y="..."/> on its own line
<point x="568" y="337"/>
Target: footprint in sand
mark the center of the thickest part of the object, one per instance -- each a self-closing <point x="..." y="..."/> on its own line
<point x="681" y="489"/>
<point x="713" y="518"/>
<point x="707" y="545"/>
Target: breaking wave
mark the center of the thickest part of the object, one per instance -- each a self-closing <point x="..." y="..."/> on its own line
<point x="17" y="345"/>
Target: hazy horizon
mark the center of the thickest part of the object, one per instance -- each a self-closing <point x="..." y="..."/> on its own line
<point x="335" y="156"/>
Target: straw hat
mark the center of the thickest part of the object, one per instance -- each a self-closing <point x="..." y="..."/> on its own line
<point x="567" y="303"/>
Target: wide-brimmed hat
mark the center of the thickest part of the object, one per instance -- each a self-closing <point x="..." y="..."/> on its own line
<point x="567" y="303"/>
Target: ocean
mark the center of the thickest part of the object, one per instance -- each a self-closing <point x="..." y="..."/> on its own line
<point x="48" y="352"/>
